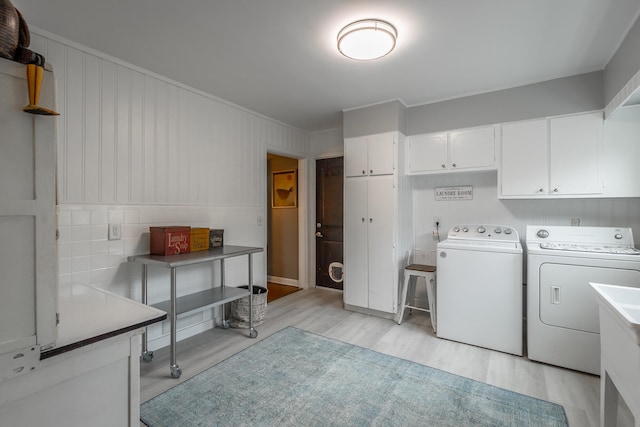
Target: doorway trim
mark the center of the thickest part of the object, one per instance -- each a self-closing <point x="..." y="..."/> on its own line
<point x="303" y="209"/>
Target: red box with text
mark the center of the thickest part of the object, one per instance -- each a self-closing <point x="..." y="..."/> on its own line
<point x="170" y="240"/>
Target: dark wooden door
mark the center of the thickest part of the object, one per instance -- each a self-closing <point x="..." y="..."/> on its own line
<point x="329" y="195"/>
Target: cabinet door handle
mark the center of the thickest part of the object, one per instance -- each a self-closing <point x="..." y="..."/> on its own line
<point x="540" y="190"/>
<point x="364" y="172"/>
<point x="371" y="171"/>
<point x="370" y="219"/>
<point x="555" y="190"/>
<point x="443" y="166"/>
<point x="454" y="165"/>
<point x="362" y="219"/>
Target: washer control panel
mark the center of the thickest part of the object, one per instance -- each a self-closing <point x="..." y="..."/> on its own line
<point x="621" y="236"/>
<point x="500" y="233"/>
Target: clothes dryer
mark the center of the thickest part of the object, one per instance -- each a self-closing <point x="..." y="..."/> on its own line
<point x="479" y="289"/>
<point x="562" y="310"/>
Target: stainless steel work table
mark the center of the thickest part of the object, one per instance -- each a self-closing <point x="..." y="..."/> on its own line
<point x="211" y="297"/>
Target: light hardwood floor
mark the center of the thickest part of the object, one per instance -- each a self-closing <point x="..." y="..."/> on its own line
<point x="321" y="311"/>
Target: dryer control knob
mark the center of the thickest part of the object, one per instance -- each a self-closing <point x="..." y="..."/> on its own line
<point x="456" y="229"/>
<point x="543" y="234"/>
<point x="497" y="230"/>
<point x="481" y="229"/>
<point x="507" y="231"/>
<point x="465" y="229"/>
<point x="618" y="236"/>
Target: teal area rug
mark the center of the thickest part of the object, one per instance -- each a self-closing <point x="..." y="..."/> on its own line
<point x="296" y="378"/>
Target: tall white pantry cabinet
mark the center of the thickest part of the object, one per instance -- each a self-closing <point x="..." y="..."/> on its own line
<point x="377" y="217"/>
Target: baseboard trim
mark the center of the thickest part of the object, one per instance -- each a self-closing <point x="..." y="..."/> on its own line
<point x="283" y="281"/>
<point x="369" y="311"/>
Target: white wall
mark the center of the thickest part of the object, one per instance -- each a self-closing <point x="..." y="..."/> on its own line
<point x="485" y="208"/>
<point x="138" y="149"/>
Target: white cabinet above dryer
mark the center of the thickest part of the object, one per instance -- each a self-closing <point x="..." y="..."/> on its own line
<point x="461" y="150"/>
<point x="552" y="158"/>
<point x="370" y="155"/>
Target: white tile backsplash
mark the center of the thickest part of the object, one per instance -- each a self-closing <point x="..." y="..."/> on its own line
<point x="86" y="256"/>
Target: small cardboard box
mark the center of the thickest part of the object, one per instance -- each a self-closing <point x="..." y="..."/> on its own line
<point x="216" y="238"/>
<point x="171" y="240"/>
<point x="199" y="239"/>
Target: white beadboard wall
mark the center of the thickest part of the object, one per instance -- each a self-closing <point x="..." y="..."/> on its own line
<point x="126" y="136"/>
<point x="485" y="208"/>
<point x="138" y="149"/>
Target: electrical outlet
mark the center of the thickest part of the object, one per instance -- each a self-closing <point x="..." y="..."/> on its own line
<point x="575" y="222"/>
<point x="115" y="231"/>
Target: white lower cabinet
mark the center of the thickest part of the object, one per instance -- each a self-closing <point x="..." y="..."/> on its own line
<point x="371" y="280"/>
<point x="96" y="385"/>
<point x="549" y="158"/>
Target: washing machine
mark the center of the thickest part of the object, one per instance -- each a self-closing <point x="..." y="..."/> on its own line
<point x="479" y="289"/>
<point x="562" y="311"/>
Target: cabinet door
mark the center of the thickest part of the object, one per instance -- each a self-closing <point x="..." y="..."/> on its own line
<point x="355" y="242"/>
<point x="29" y="280"/>
<point x="574" y="152"/>
<point x="427" y="153"/>
<point x="355" y="156"/>
<point x="524" y="160"/>
<point x="382" y="283"/>
<point x="381" y="159"/>
<point x="473" y="148"/>
<point x="621" y="133"/>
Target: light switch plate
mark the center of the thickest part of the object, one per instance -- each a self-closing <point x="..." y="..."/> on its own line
<point x="115" y="231"/>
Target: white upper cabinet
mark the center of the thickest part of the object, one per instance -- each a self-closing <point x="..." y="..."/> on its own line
<point x="525" y="154"/>
<point x="574" y="153"/>
<point x="465" y="149"/>
<point x="472" y="149"/>
<point x="370" y="155"/>
<point x="622" y="151"/>
<point x="427" y="153"/>
<point x="557" y="157"/>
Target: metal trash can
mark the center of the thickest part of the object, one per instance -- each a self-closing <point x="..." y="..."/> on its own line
<point x="240" y="308"/>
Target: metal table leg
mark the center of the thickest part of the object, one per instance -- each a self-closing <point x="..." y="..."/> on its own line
<point x="147" y="356"/>
<point x="252" y="332"/>
<point x="223" y="307"/>
<point x="175" y="369"/>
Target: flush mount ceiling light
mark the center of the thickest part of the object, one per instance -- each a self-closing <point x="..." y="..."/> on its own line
<point x="367" y="39"/>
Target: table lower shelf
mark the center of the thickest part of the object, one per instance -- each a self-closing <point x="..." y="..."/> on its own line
<point x="208" y="298"/>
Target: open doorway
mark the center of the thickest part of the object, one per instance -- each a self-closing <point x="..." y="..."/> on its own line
<point x="283" y="228"/>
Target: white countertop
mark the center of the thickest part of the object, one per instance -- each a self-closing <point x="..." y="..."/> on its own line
<point x="89" y="315"/>
<point x="623" y="302"/>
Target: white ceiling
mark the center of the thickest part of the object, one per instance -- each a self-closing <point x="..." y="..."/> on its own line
<point x="278" y="57"/>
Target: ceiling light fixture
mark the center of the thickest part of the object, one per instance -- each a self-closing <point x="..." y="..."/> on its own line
<point x="367" y="39"/>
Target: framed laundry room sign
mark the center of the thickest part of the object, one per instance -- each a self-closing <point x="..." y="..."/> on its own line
<point x="454" y="193"/>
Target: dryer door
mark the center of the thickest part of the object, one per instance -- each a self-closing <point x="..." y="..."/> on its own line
<point x="567" y="300"/>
